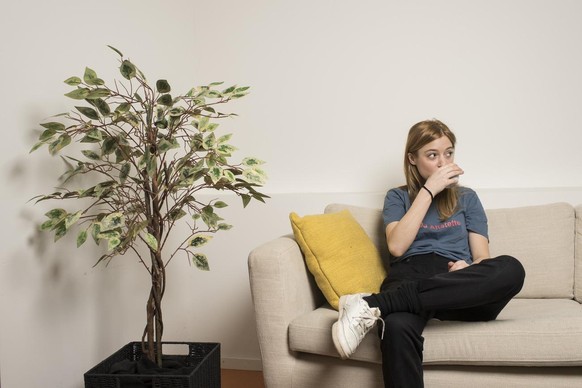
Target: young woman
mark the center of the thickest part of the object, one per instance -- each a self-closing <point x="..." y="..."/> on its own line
<point x="437" y="234"/>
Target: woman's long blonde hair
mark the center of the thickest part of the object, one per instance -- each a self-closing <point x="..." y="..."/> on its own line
<point x="420" y="135"/>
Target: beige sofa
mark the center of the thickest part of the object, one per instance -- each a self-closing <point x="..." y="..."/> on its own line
<point x="535" y="342"/>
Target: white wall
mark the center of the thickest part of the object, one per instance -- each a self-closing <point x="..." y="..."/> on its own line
<point x="335" y="86"/>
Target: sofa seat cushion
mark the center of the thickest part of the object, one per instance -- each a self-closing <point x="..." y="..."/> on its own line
<point x="528" y="332"/>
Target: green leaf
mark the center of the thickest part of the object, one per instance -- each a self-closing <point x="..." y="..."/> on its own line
<point x="246" y="199"/>
<point x="220" y="204"/>
<point x="229" y="175"/>
<point x="176" y="112"/>
<point x="162" y="124"/>
<point x="211" y="160"/>
<point x="81" y="238"/>
<point x="93" y="136"/>
<point x="98" y="93"/>
<point x="209" y="142"/>
<point x="199" y="241"/>
<point x="144" y="160"/>
<point x="47" y="225"/>
<point x="177" y="214"/>
<point x="152" y="166"/>
<point x="200" y="261"/>
<point x="36" y="146"/>
<point x="136" y="228"/>
<point x="229" y="90"/>
<point x="202" y="124"/>
<point x="260" y="197"/>
<point x="112" y="221"/>
<point x="91" y="155"/>
<point x="112" y="243"/>
<point x="103" y="189"/>
<point x="95" y="231"/>
<point x="151" y="241"/>
<point x="73" y="81"/>
<point x="122" y="153"/>
<point x="224" y="226"/>
<point x="60" y="230"/>
<point x="165" y="99"/>
<point x="224" y="138"/>
<point x="72" y="219"/>
<point x="90" y="77"/>
<point x="196" y="142"/>
<point x="63" y="141"/>
<point x="123" y="107"/>
<point x="47" y="135"/>
<point x="116" y="50"/>
<point x="225" y="149"/>
<point x="127" y="69"/>
<point x="108" y="234"/>
<point x="163" y="86"/>
<point x="89" y="112"/>
<point x="255" y="176"/>
<point x="78" y="94"/>
<point x="109" y="145"/>
<point x="188" y="175"/>
<point x="251" y="162"/>
<point x="101" y="105"/>
<point x="165" y="145"/>
<point x="124" y="172"/>
<point x="215" y="174"/>
<point x="209" y="217"/>
<point x="54" y="125"/>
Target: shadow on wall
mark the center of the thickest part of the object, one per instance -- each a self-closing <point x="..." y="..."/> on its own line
<point x="58" y="279"/>
<point x="60" y="267"/>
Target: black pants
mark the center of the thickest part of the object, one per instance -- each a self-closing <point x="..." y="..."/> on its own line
<point x="475" y="293"/>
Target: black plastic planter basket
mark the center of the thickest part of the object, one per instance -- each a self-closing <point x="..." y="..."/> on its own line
<point x="203" y="358"/>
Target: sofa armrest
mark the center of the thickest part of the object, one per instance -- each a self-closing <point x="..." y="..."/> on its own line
<point x="282" y="289"/>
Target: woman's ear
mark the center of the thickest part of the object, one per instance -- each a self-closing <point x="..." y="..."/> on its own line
<point x="411" y="159"/>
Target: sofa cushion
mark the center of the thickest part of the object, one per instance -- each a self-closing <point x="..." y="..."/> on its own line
<point x="528" y="332"/>
<point x="542" y="239"/>
<point x="578" y="250"/>
<point x="339" y="254"/>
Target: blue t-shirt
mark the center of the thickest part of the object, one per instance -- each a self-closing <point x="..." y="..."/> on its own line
<point x="449" y="238"/>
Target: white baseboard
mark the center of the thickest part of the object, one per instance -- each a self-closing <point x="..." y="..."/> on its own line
<point x="241" y="364"/>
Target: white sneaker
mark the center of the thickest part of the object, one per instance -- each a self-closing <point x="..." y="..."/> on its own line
<point x="355" y="320"/>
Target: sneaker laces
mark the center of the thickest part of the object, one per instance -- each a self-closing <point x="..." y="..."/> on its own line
<point x="383" y="327"/>
<point x="365" y="321"/>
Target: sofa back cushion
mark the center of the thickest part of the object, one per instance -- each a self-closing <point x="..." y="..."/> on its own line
<point x="541" y="237"/>
<point x="578" y="250"/>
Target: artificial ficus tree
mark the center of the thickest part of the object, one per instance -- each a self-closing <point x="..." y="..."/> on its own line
<point x="148" y="153"/>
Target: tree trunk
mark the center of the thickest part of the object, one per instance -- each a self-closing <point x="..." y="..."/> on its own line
<point x="155" y="326"/>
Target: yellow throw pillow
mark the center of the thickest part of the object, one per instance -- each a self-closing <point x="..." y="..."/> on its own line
<point x="339" y="254"/>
